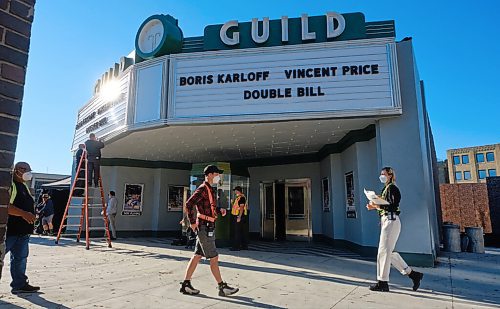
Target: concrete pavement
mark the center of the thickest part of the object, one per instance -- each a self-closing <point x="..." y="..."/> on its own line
<point x="145" y="273"/>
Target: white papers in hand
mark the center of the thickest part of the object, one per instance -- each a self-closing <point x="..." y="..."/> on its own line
<point x="374" y="198"/>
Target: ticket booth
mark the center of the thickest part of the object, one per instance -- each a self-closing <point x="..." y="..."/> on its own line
<point x="225" y="195"/>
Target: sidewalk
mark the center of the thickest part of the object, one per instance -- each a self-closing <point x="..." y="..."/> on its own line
<point x="145" y="273"/>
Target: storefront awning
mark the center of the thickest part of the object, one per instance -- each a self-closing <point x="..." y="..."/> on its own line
<point x="60" y="184"/>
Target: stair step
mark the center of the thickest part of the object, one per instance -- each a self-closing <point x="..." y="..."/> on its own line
<point x="97" y="228"/>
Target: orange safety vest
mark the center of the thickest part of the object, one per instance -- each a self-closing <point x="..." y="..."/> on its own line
<point x="235" y="210"/>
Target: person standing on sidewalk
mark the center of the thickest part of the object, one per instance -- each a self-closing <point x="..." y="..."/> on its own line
<point x="47" y="214"/>
<point x="111" y="211"/>
<point x="19" y="228"/>
<point x="239" y="216"/>
<point x="389" y="234"/>
<point x="203" y="201"/>
<point x="93" y="147"/>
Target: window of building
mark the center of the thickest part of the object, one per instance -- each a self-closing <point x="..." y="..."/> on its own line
<point x="456" y="160"/>
<point x="492" y="172"/>
<point x="458" y="175"/>
<point x="465" y="159"/>
<point x="490" y="156"/>
<point x="482" y="174"/>
<point x="467" y="175"/>
<point x="480" y="157"/>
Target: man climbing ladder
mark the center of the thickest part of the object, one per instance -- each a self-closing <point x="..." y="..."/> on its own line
<point x="88" y="208"/>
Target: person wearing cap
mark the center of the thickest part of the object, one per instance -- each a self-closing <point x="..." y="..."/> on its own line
<point x="239" y="214"/>
<point x="46" y="212"/>
<point x="202" y="212"/>
<point x="19" y="228"/>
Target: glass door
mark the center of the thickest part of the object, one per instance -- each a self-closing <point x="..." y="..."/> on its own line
<point x="267" y="211"/>
<point x="297" y="209"/>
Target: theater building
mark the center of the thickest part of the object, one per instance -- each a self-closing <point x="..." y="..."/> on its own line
<point x="302" y="112"/>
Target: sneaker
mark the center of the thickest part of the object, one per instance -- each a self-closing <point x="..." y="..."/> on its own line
<point x="27" y="288"/>
<point x="416" y="277"/>
<point x="226" y="290"/>
<point x="188" y="289"/>
<point x="380" y="286"/>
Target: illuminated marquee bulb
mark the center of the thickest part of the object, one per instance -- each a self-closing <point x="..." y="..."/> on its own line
<point x="110" y="91"/>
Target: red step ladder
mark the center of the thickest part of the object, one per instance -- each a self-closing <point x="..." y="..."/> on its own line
<point x="88" y="202"/>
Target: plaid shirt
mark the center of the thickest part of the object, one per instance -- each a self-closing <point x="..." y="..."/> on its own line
<point x="200" y="202"/>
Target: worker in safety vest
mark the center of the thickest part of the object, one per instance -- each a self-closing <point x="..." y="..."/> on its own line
<point x="239" y="216"/>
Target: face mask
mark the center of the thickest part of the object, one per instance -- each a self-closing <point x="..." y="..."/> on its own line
<point x="383" y="178"/>
<point x="27" y="176"/>
<point x="216" y="179"/>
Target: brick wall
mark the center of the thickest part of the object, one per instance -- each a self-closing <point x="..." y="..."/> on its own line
<point x="16" y="17"/>
<point x="466" y="205"/>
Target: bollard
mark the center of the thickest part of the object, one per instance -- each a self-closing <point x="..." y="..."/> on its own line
<point x="451" y="238"/>
<point x="476" y="239"/>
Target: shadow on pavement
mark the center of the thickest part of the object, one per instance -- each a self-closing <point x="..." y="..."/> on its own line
<point x="436" y="283"/>
<point x="4" y="304"/>
<point x="240" y="300"/>
<point x="39" y="300"/>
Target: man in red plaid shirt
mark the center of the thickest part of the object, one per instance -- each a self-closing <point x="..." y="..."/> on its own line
<point x="202" y="221"/>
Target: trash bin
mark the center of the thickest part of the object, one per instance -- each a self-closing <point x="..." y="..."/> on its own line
<point x="465" y="242"/>
<point x="476" y="239"/>
<point x="451" y="237"/>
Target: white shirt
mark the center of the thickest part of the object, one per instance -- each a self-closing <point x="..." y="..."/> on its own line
<point x="112" y="206"/>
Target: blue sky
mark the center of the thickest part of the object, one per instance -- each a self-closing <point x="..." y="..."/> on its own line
<point x="74" y="42"/>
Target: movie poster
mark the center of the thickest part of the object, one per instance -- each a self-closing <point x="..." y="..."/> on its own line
<point x="325" y="193"/>
<point x="349" y="185"/>
<point x="177" y="196"/>
<point x="132" y="200"/>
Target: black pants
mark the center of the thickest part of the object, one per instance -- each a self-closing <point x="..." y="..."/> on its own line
<point x="80" y="182"/>
<point x="93" y="169"/>
<point x="239" y="234"/>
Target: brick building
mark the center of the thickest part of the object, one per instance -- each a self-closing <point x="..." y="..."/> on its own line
<point x="16" y="18"/>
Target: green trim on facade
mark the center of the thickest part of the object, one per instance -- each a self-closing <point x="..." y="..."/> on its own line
<point x="373" y="30"/>
<point x="348" y="140"/>
<point x="380" y="29"/>
<point x="145" y="163"/>
<point x="354" y="30"/>
<point x="170" y="43"/>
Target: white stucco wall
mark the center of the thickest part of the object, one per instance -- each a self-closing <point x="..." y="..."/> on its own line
<point x="361" y="159"/>
<point x="155" y="216"/>
<point x="400" y="144"/>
